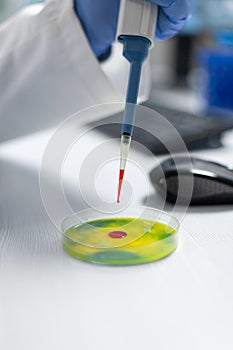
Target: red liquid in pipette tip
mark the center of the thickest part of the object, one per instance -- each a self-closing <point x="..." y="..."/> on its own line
<point x="121" y="176"/>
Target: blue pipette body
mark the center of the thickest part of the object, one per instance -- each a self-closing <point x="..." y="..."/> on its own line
<point x="136" y="30"/>
<point x="135" y="50"/>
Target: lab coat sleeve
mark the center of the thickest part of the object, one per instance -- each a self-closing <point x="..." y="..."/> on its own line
<point x="47" y="70"/>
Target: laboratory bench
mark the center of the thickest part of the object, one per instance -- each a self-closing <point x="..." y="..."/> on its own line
<point x="50" y="300"/>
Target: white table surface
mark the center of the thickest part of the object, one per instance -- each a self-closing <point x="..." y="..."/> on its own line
<point x="50" y="300"/>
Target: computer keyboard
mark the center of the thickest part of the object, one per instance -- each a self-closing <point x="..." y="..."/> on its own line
<point x="197" y="132"/>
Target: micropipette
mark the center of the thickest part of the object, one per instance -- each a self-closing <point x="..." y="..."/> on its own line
<point x="136" y="31"/>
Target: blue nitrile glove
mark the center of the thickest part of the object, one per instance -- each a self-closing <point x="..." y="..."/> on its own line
<point x="99" y="20"/>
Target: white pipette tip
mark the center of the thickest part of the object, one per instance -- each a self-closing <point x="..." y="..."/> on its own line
<point x="125" y="145"/>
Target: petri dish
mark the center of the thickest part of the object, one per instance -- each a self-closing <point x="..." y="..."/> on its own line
<point x="132" y="236"/>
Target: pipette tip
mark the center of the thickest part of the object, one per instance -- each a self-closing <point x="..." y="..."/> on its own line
<point x="121" y="176"/>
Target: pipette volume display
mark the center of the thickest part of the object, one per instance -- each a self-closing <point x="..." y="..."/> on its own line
<point x="136" y="30"/>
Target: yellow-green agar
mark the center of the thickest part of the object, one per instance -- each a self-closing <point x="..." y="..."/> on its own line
<point x="144" y="241"/>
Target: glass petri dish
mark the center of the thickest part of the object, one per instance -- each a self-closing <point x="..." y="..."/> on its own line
<point x="133" y="236"/>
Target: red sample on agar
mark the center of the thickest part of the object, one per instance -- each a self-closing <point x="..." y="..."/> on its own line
<point x="117" y="234"/>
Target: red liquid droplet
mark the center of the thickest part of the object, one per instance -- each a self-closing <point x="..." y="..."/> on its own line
<point x="117" y="234"/>
<point x="121" y="176"/>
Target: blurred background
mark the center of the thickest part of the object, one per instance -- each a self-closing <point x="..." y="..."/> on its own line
<point x="9" y="7"/>
<point x="197" y="64"/>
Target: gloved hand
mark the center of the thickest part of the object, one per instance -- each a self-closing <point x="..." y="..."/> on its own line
<point x="99" y="20"/>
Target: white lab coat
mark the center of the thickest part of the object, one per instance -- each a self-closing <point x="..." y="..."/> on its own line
<point x="48" y="70"/>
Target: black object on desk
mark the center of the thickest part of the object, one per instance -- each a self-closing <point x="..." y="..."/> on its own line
<point x="212" y="182"/>
<point x="197" y="132"/>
